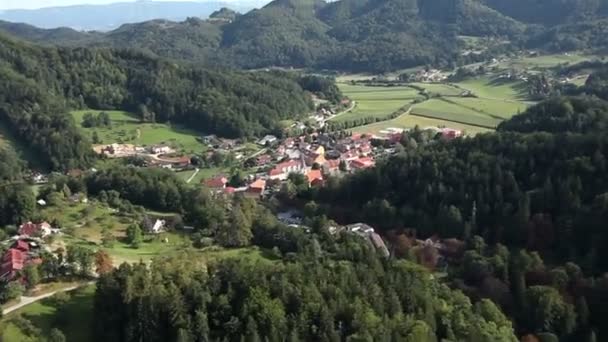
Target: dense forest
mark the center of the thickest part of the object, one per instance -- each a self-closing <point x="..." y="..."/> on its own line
<point x="352" y="35"/>
<point x="17" y="201"/>
<point x="42" y="83"/>
<point x="337" y="291"/>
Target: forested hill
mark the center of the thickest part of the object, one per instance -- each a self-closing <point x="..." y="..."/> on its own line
<point x="356" y="35"/>
<point x="40" y="84"/>
<point x="374" y="35"/>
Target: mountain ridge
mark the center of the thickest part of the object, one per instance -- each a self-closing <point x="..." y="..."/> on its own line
<point x="350" y="35"/>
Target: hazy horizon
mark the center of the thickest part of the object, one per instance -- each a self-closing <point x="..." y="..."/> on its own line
<point x="37" y="4"/>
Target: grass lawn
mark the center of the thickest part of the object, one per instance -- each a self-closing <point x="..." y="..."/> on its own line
<point x="411" y="121"/>
<point x="495" y="88"/>
<point x="74" y="320"/>
<point x="447" y="111"/>
<point x="375" y="101"/>
<point x="126" y="128"/>
<point x="86" y="221"/>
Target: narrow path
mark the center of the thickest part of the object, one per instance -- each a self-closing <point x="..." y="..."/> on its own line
<point x="29" y="300"/>
<point x="196" y="171"/>
<point x="352" y="106"/>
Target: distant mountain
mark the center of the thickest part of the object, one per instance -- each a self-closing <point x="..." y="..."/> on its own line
<point x="354" y="35"/>
<point x="108" y="17"/>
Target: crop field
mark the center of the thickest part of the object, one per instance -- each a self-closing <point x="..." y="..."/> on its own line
<point x="495" y="88"/>
<point x="498" y="109"/>
<point x="451" y="111"/>
<point x="375" y="101"/>
<point x="126" y="128"/>
<point x="411" y="121"/>
<point x="439" y="88"/>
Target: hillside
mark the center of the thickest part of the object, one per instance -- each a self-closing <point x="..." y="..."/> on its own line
<point x="351" y="35"/>
<point x="375" y="35"/>
<point x="41" y="84"/>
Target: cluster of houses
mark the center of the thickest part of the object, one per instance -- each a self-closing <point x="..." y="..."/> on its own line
<point x="25" y="249"/>
<point x="155" y="155"/>
<point x="316" y="157"/>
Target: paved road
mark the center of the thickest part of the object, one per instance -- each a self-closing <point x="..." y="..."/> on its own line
<point x="29" y="300"/>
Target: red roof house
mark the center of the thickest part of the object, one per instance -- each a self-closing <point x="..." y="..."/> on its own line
<point x="22" y="245"/>
<point x="362" y="163"/>
<point x="314" y="175"/>
<point x="256" y="188"/>
<point x="31" y="229"/>
<point x="12" y="262"/>
<point x="217" y="182"/>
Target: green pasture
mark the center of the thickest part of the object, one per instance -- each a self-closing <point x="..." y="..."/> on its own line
<point x="441" y="89"/>
<point x="495" y="88"/>
<point x="126" y="128"/>
<point x="375" y="101"/>
<point x="443" y="110"/>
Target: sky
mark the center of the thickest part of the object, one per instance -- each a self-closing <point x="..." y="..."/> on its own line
<point x="31" y="4"/>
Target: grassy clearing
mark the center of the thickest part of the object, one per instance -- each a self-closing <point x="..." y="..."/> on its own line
<point x="411" y="121"/>
<point x="74" y="318"/>
<point x="376" y="101"/>
<point x="86" y="221"/>
<point x="495" y="88"/>
<point x="126" y="128"/>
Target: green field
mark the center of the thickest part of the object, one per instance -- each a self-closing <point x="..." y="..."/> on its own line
<point x="411" y="121"/>
<point x="546" y="61"/>
<point x="495" y="88"/>
<point x="74" y="318"/>
<point x="375" y="101"/>
<point x="498" y="109"/>
<point x="439" y="89"/>
<point x="126" y="128"/>
<point x="447" y="111"/>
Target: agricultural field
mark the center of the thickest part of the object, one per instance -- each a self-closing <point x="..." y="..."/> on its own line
<point x="454" y="112"/>
<point x="126" y="128"/>
<point x="495" y="88"/>
<point x="411" y="121"/>
<point x="441" y="89"/>
<point x="375" y="101"/>
<point x="546" y="61"/>
<point x="498" y="109"/>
